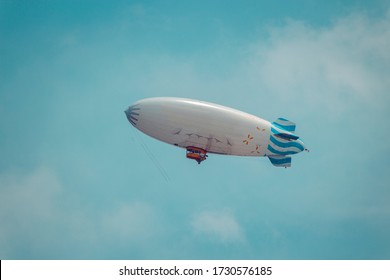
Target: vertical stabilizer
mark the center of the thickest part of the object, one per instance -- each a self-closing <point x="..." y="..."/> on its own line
<point x="280" y="161"/>
<point x="284" y="124"/>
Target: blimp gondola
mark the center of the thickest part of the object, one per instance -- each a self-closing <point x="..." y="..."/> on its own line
<point x="204" y="128"/>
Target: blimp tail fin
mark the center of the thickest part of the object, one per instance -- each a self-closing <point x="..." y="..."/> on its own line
<point x="285" y="124"/>
<point x="281" y="161"/>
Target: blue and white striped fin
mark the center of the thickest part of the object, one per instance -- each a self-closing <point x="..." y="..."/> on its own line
<point x="284" y="124"/>
<point x="280" y="161"/>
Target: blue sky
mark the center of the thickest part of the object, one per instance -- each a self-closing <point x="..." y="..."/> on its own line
<point x="77" y="181"/>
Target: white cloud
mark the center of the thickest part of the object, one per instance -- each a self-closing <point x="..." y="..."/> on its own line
<point x="24" y="197"/>
<point x="129" y="221"/>
<point x="327" y="67"/>
<point x="27" y="208"/>
<point x="218" y="225"/>
<point x="39" y="219"/>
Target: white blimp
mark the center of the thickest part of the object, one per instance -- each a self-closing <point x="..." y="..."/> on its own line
<point x="202" y="127"/>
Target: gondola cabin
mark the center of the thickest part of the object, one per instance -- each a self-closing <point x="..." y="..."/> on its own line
<point x="197" y="154"/>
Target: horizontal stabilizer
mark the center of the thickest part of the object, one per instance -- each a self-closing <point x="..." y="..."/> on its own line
<point x="284" y="124"/>
<point x="280" y="161"/>
<point x="287" y="136"/>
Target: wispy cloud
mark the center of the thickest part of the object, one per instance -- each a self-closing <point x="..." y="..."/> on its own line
<point x="327" y="67"/>
<point x="27" y="209"/>
<point x="220" y="226"/>
<point x="38" y="213"/>
<point x="129" y="221"/>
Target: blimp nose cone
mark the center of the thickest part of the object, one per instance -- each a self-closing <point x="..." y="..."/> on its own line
<point x="132" y="114"/>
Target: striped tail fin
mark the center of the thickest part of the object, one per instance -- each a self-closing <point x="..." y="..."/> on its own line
<point x="280" y="161"/>
<point x="284" y="124"/>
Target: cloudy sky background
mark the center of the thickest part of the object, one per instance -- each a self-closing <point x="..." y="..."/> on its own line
<point x="77" y="181"/>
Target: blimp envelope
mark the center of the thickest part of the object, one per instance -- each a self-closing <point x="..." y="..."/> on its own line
<point x="203" y="127"/>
